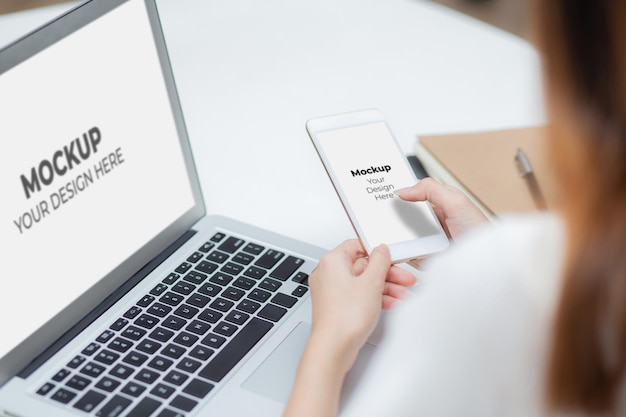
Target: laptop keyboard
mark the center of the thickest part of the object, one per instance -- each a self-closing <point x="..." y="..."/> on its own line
<point x="180" y="340"/>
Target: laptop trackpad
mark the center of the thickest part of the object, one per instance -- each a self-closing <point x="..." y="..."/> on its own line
<point x="274" y="378"/>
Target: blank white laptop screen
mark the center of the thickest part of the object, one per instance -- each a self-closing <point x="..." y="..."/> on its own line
<point x="90" y="171"/>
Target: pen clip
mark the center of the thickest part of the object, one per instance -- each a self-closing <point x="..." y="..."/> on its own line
<point x="523" y="164"/>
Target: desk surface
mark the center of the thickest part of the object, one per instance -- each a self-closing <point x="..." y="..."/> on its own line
<point x="251" y="73"/>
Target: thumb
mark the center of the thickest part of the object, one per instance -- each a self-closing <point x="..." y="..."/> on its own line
<point x="379" y="262"/>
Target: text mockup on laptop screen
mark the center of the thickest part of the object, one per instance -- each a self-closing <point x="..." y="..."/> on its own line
<point x="91" y="169"/>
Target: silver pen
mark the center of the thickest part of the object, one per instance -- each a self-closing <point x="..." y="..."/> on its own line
<point x="525" y="171"/>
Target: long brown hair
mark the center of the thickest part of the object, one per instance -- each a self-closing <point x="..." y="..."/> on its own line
<point x="583" y="44"/>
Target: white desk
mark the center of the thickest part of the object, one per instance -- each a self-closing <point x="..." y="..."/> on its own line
<point x="250" y="73"/>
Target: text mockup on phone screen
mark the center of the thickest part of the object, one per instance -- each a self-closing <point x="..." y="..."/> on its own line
<point x="368" y="166"/>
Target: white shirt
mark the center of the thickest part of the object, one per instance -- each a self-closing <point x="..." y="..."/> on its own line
<point x="475" y="337"/>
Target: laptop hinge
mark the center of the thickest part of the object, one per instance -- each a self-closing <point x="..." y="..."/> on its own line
<point x="104" y="305"/>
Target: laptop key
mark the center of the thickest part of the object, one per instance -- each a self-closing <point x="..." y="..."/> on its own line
<point x="243" y="258"/>
<point x="46" y="388"/>
<point x="89" y="401"/>
<point x="284" y="300"/>
<point x="93" y="370"/>
<point x="248" y="306"/>
<point x="237" y="317"/>
<point x="147" y="376"/>
<point x="159" y="289"/>
<point x="232" y="268"/>
<point x="272" y="312"/>
<point x="145" y="301"/>
<point x="211" y="316"/>
<point x="148" y="346"/>
<point x="198" y="388"/>
<point x="270" y="284"/>
<point x="186" y="339"/>
<point x="174" y="323"/>
<point x="171" y="278"/>
<point x="233" y="352"/>
<point x="89" y="350"/>
<point x="259" y="295"/>
<point x="146" y="321"/>
<point x="63" y="396"/>
<point x="133" y="333"/>
<point x="244" y="283"/>
<point x="135" y="359"/>
<point x="221" y="279"/>
<point x="299" y="291"/>
<point x="184" y="403"/>
<point x="171" y="299"/>
<point x="133" y="389"/>
<point x="186" y="311"/>
<point x="198" y="300"/>
<point x="195" y="277"/>
<point x="232" y="293"/>
<point x="173" y="351"/>
<point x="182" y="268"/>
<point x="269" y="259"/>
<point x="132" y="312"/>
<point x="286" y="268"/>
<point x="176" y="377"/>
<point x="106" y="357"/>
<point x="188" y="365"/>
<point x="206" y="247"/>
<point x="78" y="382"/>
<point x="159" y="310"/>
<point x="120" y="345"/>
<point x="206" y="267"/>
<point x="160" y="363"/>
<point x="218" y="237"/>
<point x="144" y="408"/>
<point x="210" y="289"/>
<point x="107" y="384"/>
<point x="213" y="340"/>
<point x="76" y="362"/>
<point x="194" y="257"/>
<point x="221" y="304"/>
<point x="105" y="336"/>
<point x="183" y="288"/>
<point x="114" y="407"/>
<point x="217" y="256"/>
<point x="119" y="324"/>
<point x="121" y="371"/>
<point x="201" y="352"/>
<point x="254" y="272"/>
<point x="301" y="278"/>
<point x="163" y="391"/>
<point x="253" y="248"/>
<point x="198" y="327"/>
<point x="60" y="376"/>
<point x="231" y="244"/>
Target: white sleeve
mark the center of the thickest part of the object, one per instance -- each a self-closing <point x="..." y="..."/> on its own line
<point x="472" y="340"/>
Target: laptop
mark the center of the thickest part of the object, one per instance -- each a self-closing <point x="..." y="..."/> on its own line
<point x="120" y="296"/>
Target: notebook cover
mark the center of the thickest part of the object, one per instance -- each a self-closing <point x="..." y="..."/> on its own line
<point x="483" y="163"/>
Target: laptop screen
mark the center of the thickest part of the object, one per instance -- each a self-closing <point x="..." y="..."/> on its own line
<point x="92" y="167"/>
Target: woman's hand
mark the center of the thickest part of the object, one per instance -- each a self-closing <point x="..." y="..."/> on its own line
<point x="453" y="208"/>
<point x="348" y="289"/>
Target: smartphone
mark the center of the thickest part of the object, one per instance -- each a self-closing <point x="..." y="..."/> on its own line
<point x="365" y="165"/>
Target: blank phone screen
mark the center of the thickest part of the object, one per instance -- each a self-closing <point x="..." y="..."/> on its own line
<point x="368" y="166"/>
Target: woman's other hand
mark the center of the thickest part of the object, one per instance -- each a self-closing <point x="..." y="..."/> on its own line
<point x="455" y="211"/>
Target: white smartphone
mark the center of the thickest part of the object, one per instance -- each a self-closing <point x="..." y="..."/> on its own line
<point x="365" y="165"/>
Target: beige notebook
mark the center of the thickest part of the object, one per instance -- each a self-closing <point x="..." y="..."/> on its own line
<point x="483" y="163"/>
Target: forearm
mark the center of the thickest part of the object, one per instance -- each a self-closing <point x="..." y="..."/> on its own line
<point x="319" y="379"/>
